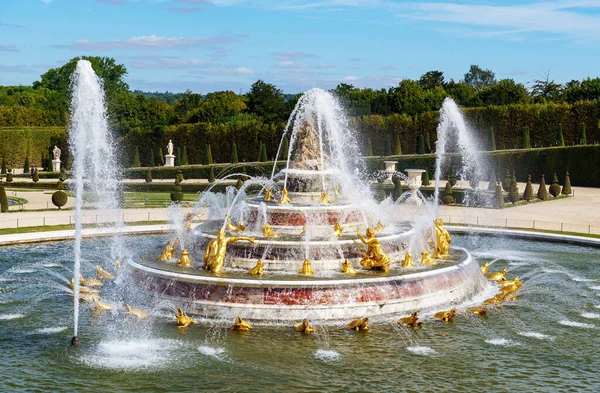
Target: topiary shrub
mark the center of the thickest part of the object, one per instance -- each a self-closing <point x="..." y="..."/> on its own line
<point x="161" y="157"/>
<point x="259" y="152"/>
<point x="59" y="185"/>
<point x="3" y="166"/>
<point x="184" y="157"/>
<point x="526" y="141"/>
<point x="176" y="194"/>
<point x="492" y="143"/>
<point x="492" y="182"/>
<point x="36" y="177"/>
<point x="448" y="199"/>
<point x="211" y="175"/>
<point x="234" y="155"/>
<point x="421" y="144"/>
<point x="560" y="139"/>
<point x="208" y="159"/>
<point x="554" y="187"/>
<point x="151" y="162"/>
<point x="286" y="149"/>
<point x="506" y="181"/>
<point x="397" y="146"/>
<point x="3" y="200"/>
<point x="566" y="190"/>
<point x="542" y="192"/>
<point x="452" y="177"/>
<point x="528" y="194"/>
<point x="513" y="195"/>
<point x="63" y="175"/>
<point x="387" y="151"/>
<point x="498" y="197"/>
<point x="9" y="176"/>
<point x="177" y="157"/>
<point x="179" y="176"/>
<point x="26" y="165"/>
<point x="425" y="178"/>
<point x="397" y="187"/>
<point x="582" y="134"/>
<point x="263" y="154"/>
<point x="239" y="183"/>
<point x="369" y="152"/>
<point x="148" y="175"/>
<point x="59" y="198"/>
<point x="136" y="159"/>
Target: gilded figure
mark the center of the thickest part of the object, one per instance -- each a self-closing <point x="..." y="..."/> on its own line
<point x="375" y="257"/>
<point x="214" y="256"/>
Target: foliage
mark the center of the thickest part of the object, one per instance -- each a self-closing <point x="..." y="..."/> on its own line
<point x="397" y="146"/>
<point x="184" y="157"/>
<point x="59" y="198"/>
<point x="151" y="162"/>
<point x="9" y="176"/>
<point x="208" y="158"/>
<point x="506" y="181"/>
<point x="239" y="183"/>
<point x="234" y="155"/>
<point x="3" y="165"/>
<point x="479" y="78"/>
<point x="3" y="200"/>
<point x="260" y="148"/>
<point x="211" y="175"/>
<point x="526" y="140"/>
<point x="448" y="199"/>
<point x="425" y="178"/>
<point x="542" y="191"/>
<point x="178" y="156"/>
<point x="263" y="153"/>
<point x="528" y="194"/>
<point x="498" y="196"/>
<point x="554" y="187"/>
<point x="177" y="192"/>
<point x="397" y="187"/>
<point x="421" y="144"/>
<point x="560" y="139"/>
<point x="582" y="134"/>
<point x="492" y="182"/>
<point x="566" y="189"/>
<point x="179" y="175"/>
<point x="492" y="139"/>
<point x="388" y="146"/>
<point x="62" y="175"/>
<point x="369" y="152"/>
<point x="513" y="195"/>
<point x="149" y="175"/>
<point x="431" y="80"/>
<point x="452" y="177"/>
<point x="26" y="167"/>
<point x="161" y="156"/>
<point x="136" y="159"/>
<point x="286" y="149"/>
<point x="266" y="101"/>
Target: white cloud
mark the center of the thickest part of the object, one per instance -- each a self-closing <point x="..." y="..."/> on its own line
<point x="350" y="78"/>
<point x="152" y="42"/>
<point x="8" y="48"/>
<point x="290" y="54"/>
<point x="243" y="71"/>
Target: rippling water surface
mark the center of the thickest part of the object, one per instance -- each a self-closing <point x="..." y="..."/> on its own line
<point x="547" y="340"/>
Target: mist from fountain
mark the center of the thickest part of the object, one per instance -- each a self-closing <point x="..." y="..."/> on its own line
<point x="93" y="158"/>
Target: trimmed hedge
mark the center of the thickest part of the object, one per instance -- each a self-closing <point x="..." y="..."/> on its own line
<point x="202" y="171"/>
<point x="16" y="142"/>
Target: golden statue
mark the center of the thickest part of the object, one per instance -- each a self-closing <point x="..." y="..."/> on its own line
<point x="303" y="232"/>
<point x="412" y="321"/>
<point x="102" y="274"/>
<point x="82" y="289"/>
<point x="408" y="260"/>
<point x="268" y="195"/>
<point x="167" y="253"/>
<point x="258" y="269"/>
<point x="446" y="316"/>
<point x="182" y="320"/>
<point x="324" y="197"/>
<point x="241" y="325"/>
<point x="304" y="327"/>
<point x="484" y="268"/>
<point x="497" y="276"/>
<point x="497" y="300"/>
<point x="515" y="281"/>
<point x="100" y="307"/>
<point x="379" y="227"/>
<point x="347" y="267"/>
<point x="89" y="297"/>
<point x="375" y="257"/>
<point x="442" y="239"/>
<point x="184" y="259"/>
<point x="337" y="229"/>
<point x="284" y="197"/>
<point x="189" y="217"/>
<point x="336" y="191"/>
<point x="214" y="256"/>
<point x="134" y="312"/>
<point x="481" y="311"/>
<point x="268" y="232"/>
<point x="306" y="268"/>
<point x="90" y="282"/>
<point x="118" y="264"/>
<point x="240" y="227"/>
<point x="359" y="325"/>
<point x="426" y="259"/>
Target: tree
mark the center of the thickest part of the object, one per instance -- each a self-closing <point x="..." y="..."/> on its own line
<point x="151" y="158"/>
<point x="498" y="197"/>
<point x="528" y="194"/>
<point x="506" y="181"/>
<point x="49" y="167"/>
<point x="425" y="178"/>
<point x="161" y="156"/>
<point x="560" y="139"/>
<point x="59" y="197"/>
<point x="179" y="175"/>
<point x="542" y="192"/>
<point x="421" y="144"/>
<point x="234" y="154"/>
<point x="263" y="153"/>
<point x="369" y="148"/>
<point x="452" y="177"/>
<point x="148" y="175"/>
<point x="545" y="89"/>
<point x="397" y="146"/>
<point x="3" y="165"/>
<point x="177" y="192"/>
<point x="408" y="97"/>
<point x="178" y="156"/>
<point x="492" y="139"/>
<point x="3" y="200"/>
<point x="388" y="146"/>
<point x="526" y="141"/>
<point x="492" y="182"/>
<point x="586" y="90"/>
<point x="397" y="187"/>
<point x="26" y="164"/>
<point x="286" y="149"/>
<point x="211" y="175"/>
<point x="566" y="189"/>
<point x="431" y="79"/>
<point x="136" y="159"/>
<point x="208" y="159"/>
<point x="582" y="134"/>
<point x="184" y="157"/>
<point x="478" y="78"/>
<point x="260" y="147"/>
<point x="504" y="92"/>
<point x="266" y="101"/>
<point x="448" y="199"/>
<point x="9" y="176"/>
<point x="239" y="183"/>
<point x="513" y="195"/>
<point x="554" y="187"/>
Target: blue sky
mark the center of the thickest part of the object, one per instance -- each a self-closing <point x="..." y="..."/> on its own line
<point x="209" y="45"/>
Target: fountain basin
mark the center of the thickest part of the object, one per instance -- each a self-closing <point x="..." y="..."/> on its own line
<point x="324" y="299"/>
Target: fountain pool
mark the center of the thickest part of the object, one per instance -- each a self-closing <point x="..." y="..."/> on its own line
<point x="543" y="341"/>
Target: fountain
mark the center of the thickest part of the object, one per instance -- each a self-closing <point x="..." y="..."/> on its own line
<point x="300" y="236"/>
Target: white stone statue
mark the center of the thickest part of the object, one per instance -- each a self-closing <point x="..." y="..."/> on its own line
<point x="170" y="148"/>
<point x="56" y="152"/>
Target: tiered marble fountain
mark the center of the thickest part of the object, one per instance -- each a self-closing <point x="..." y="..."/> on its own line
<point x="311" y="243"/>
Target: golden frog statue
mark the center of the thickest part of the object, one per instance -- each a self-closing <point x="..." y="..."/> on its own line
<point x="481" y="311"/>
<point x="442" y="239"/>
<point x="89" y="297"/>
<point x="258" y="269"/>
<point x="412" y="321"/>
<point x="284" y="199"/>
<point x="304" y="327"/>
<point x="82" y="289"/>
<point x="347" y="267"/>
<point x="408" y="260"/>
<point x="496" y="300"/>
<point x="337" y="229"/>
<point x="134" y="312"/>
<point x="446" y="316"/>
<point x="324" y="197"/>
<point x="102" y="274"/>
<point x="379" y="228"/>
<point x="359" y="325"/>
<point x="240" y="227"/>
<point x="267" y="231"/>
<point x="100" y="307"/>
<point x="484" y="268"/>
<point x="184" y="259"/>
<point x="182" y="320"/>
<point x="268" y="195"/>
<point x="515" y="281"/>
<point x="90" y="282"/>
<point x="241" y="325"/>
<point x="375" y="257"/>
<point x="214" y="256"/>
<point x="426" y="259"/>
<point x="497" y="276"/>
<point x="306" y="268"/>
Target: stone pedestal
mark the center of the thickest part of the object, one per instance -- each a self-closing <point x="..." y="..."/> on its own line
<point x="56" y="165"/>
<point x="169" y="160"/>
<point x="390" y="169"/>
<point x="414" y="183"/>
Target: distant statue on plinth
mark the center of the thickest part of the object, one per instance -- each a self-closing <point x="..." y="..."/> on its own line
<point x="169" y="157"/>
<point x="170" y="147"/>
<point x="56" y="161"/>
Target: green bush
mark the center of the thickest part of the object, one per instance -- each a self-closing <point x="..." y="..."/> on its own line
<point x="63" y="174"/>
<point x="36" y="177"/>
<point x="260" y="147"/>
<point x="448" y="199"/>
<point x="208" y="158"/>
<point x="9" y="176"/>
<point x="239" y="184"/>
<point x="566" y="189"/>
<point x="425" y="178"/>
<point x="263" y="154"/>
<point x="286" y="150"/>
<point x="421" y="144"/>
<point x="177" y="192"/>
<point x="148" y="175"/>
<point x="514" y="196"/>
<point x="178" y="156"/>
<point x="492" y="141"/>
<point x="3" y="200"/>
<point x="526" y="139"/>
<point x="59" y="198"/>
<point x="179" y="175"/>
<point x="60" y="185"/>
<point x="560" y="139"/>
<point x="528" y="194"/>
<point x="554" y="187"/>
<point x="498" y="197"/>
<point x="26" y="167"/>
<point x="397" y="146"/>
<point x="136" y="159"/>
<point x="388" y="146"/>
<point x="151" y="162"/>
<point x="542" y="192"/>
<point x="234" y="155"/>
<point x="452" y="178"/>
<point x="184" y="157"/>
<point x="161" y="156"/>
<point x="211" y="175"/>
<point x="369" y="152"/>
<point x="397" y="187"/>
<point x="582" y="134"/>
<point x="506" y="181"/>
<point x="492" y="182"/>
<point x="3" y="166"/>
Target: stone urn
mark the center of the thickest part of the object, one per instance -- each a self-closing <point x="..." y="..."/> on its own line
<point x="390" y="169"/>
<point x="414" y="183"/>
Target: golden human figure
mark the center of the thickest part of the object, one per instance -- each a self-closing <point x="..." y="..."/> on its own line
<point x="347" y="267"/>
<point x="442" y="239"/>
<point x="337" y="229"/>
<point x="214" y="257"/>
<point x="284" y="199"/>
<point x="167" y="253"/>
<point x="375" y="258"/>
<point x="408" y="260"/>
<point x="304" y="327"/>
<point x="240" y="227"/>
<point x="182" y="320"/>
<point x="267" y="231"/>
<point x="268" y="196"/>
<point x="426" y="259"/>
<point x="258" y="269"/>
<point x="324" y="197"/>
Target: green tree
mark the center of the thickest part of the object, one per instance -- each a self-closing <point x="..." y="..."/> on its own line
<point x="3" y="200"/>
<point x="136" y="159"/>
<point x="266" y="101"/>
<point x="408" y="97"/>
<point x="492" y="182"/>
<point x="545" y="89"/>
<point x="161" y="156"/>
<point x="397" y="146"/>
<point x="479" y="78"/>
<point x="452" y="177"/>
<point x="513" y="195"/>
<point x="234" y="154"/>
<point x="528" y="194"/>
<point x="388" y="146"/>
<point x="26" y="164"/>
<point x="397" y="187"/>
<point x="421" y="144"/>
<point x="560" y="139"/>
<point x="566" y="189"/>
<point x="542" y="192"/>
<point x="526" y="141"/>
<point x="179" y="175"/>
<point x="504" y="92"/>
<point x="208" y="159"/>
<point x="211" y="175"/>
<point x="506" y="181"/>
<point x="582" y="134"/>
<point x="239" y="183"/>
<point x="151" y="158"/>
<point x="492" y="139"/>
<point x="260" y="148"/>
<point x="177" y="192"/>
<point x="286" y="149"/>
<point x="263" y="153"/>
<point x="36" y="177"/>
<point x="369" y="152"/>
<point x="448" y="199"/>
<point x="184" y="157"/>
<point x="425" y="178"/>
<point x="3" y="165"/>
<point x="148" y="175"/>
<point x="178" y="156"/>
<point x="498" y="197"/>
<point x="431" y="79"/>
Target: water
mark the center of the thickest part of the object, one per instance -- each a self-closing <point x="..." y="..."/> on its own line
<point x="554" y="352"/>
<point x="93" y="157"/>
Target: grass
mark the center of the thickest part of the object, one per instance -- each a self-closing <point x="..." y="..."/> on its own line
<point x="49" y="228"/>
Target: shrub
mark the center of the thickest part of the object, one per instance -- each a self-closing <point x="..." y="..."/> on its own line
<point x="560" y="139"/>
<point x="421" y="144"/>
<point x="208" y="158"/>
<point x="60" y="185"/>
<point x="148" y="175"/>
<point x="566" y="190"/>
<point x="528" y="194"/>
<point x="263" y="153"/>
<point x="136" y="159"/>
<point x="63" y="174"/>
<point x="234" y="155"/>
<point x="388" y="146"/>
<point x="514" y="196"/>
<point x="506" y="181"/>
<point x="582" y="134"/>
<point x="239" y="184"/>
<point x="286" y="149"/>
<point x="492" y="142"/>
<point x="369" y="152"/>
<point x="3" y="166"/>
<point x="49" y="167"/>
<point x="9" y="176"/>
<point x="36" y="177"/>
<point x="176" y="194"/>
<point x="492" y="182"/>
<point x="554" y="187"/>
<point x="498" y="197"/>
<point x="211" y="175"/>
<point x="178" y="156"/>
<point x="526" y="141"/>
<point x="452" y="177"/>
<point x="59" y="198"/>
<point x="397" y="146"/>
<point x="179" y="175"/>
<point x="3" y="200"/>
<point x="260" y="146"/>
<point x="542" y="192"/>
<point x="151" y="162"/>
<point x="425" y="178"/>
<point x="448" y="199"/>
<point x="26" y="165"/>
<point x="397" y="187"/>
<point x="184" y="157"/>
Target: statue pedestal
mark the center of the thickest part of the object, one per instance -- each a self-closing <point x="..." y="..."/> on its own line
<point x="56" y="165"/>
<point x="169" y="160"/>
<point x="390" y="168"/>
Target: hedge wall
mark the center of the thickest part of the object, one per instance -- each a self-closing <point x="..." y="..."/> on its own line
<point x="202" y="171"/>
<point x="16" y="142"/>
<point x="20" y="116"/>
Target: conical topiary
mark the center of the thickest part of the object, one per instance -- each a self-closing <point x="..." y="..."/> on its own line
<point x="161" y="157"/>
<point x="234" y="156"/>
<point x="3" y="166"/>
<point x="177" y="193"/>
<point x="179" y="175"/>
<point x="286" y="149"/>
<point x="560" y="139"/>
<point x="582" y="134"/>
<point x="26" y="165"/>
<point x="148" y="175"/>
<point x="498" y="196"/>
<point x="448" y="199"/>
<point x="397" y="146"/>
<point x="506" y="181"/>
<point x="244" y="177"/>
<point x="263" y="153"/>
<point x="425" y="178"/>
<point x="513" y="195"/>
<point x="208" y="159"/>
<point x="369" y="152"/>
<point x="526" y="141"/>
<point x="566" y="189"/>
<point x="542" y="192"/>
<point x="36" y="177"/>
<point x="387" y="150"/>
<point x="427" y="142"/>
<point x="239" y="183"/>
<point x="49" y="167"/>
<point x="136" y="159"/>
<point x="9" y="176"/>
<point x="397" y="187"/>
<point x="151" y="162"/>
<point x="178" y="156"/>
<point x="492" y="182"/>
<point x="492" y="143"/>
<point x="3" y="200"/>
<point x="211" y="175"/>
<point x="452" y="177"/>
<point x="528" y="194"/>
<point x="184" y="157"/>
<point x="554" y="187"/>
<point x="421" y="144"/>
<point x="260" y="147"/>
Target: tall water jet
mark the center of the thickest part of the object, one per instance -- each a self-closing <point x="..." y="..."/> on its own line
<point x="92" y="156"/>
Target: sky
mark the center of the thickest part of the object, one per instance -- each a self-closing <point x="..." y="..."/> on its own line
<point x="212" y="45"/>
